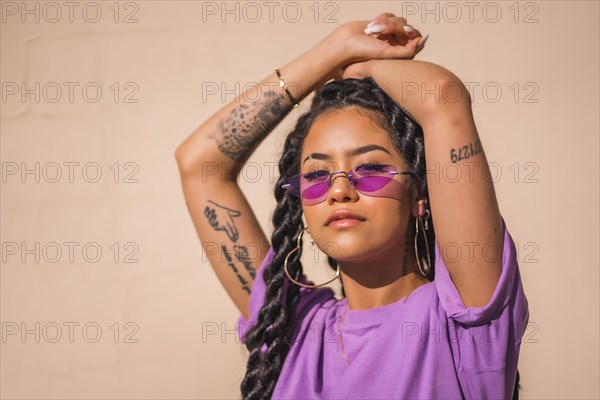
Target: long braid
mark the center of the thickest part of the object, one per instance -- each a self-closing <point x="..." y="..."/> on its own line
<point x="276" y="317"/>
<point x="273" y="318"/>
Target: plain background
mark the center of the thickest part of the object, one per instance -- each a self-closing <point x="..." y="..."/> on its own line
<point x="135" y="311"/>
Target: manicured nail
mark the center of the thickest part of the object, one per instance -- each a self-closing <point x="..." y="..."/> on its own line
<point x="371" y="23"/>
<point x="423" y="40"/>
<point x="408" y="29"/>
<point x="375" y="29"/>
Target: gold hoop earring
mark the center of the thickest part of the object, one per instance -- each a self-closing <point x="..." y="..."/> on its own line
<point x="419" y="221"/>
<point x="299" y="248"/>
<point x="312" y="242"/>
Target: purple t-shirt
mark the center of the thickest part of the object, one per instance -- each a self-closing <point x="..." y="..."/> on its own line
<point x="430" y="347"/>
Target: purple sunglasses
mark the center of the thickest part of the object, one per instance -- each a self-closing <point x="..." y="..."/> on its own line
<point x="375" y="180"/>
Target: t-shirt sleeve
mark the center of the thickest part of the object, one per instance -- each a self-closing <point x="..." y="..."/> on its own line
<point x="486" y="340"/>
<point x="508" y="292"/>
<point x="308" y="297"/>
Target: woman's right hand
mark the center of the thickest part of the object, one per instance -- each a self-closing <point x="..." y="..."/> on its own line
<point x="383" y="38"/>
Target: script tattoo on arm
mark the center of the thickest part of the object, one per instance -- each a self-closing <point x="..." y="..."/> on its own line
<point x="222" y="219"/>
<point x="241" y="254"/>
<point x="231" y="264"/>
<point x="465" y="152"/>
<point x="247" y="124"/>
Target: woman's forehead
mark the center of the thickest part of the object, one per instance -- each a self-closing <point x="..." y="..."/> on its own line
<point x="339" y="132"/>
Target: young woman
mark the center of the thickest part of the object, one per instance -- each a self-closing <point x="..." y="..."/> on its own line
<point x="387" y="150"/>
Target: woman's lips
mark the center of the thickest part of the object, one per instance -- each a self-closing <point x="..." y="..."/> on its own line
<point x="344" y="217"/>
<point x="344" y="223"/>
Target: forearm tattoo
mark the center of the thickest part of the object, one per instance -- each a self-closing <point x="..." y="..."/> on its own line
<point x="221" y="218"/>
<point x="231" y="264"/>
<point x="465" y="152"/>
<point x="241" y="254"/>
<point x="247" y="124"/>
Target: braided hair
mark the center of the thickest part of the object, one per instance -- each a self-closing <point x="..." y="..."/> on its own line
<point x="269" y="341"/>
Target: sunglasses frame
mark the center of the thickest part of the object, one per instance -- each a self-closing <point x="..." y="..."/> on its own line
<point x="288" y="185"/>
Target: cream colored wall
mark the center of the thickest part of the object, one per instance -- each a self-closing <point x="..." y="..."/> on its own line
<point x="166" y="325"/>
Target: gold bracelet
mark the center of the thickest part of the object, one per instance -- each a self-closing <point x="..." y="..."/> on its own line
<point x="285" y="87"/>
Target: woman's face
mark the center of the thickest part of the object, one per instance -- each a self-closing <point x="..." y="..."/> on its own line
<point x="331" y="144"/>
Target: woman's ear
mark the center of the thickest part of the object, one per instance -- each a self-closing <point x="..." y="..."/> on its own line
<point x="419" y="207"/>
<point x="418" y="200"/>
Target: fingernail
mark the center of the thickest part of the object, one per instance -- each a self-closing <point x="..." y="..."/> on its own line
<point x="408" y="29"/>
<point x="371" y="23"/>
<point x="375" y="29"/>
<point x="423" y="40"/>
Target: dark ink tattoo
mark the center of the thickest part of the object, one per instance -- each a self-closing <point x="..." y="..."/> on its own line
<point x="231" y="264"/>
<point x="221" y="219"/>
<point x="465" y="152"/>
<point x="247" y="124"/>
<point x="241" y="254"/>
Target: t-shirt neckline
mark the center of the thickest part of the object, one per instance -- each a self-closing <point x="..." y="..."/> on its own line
<point x="377" y="314"/>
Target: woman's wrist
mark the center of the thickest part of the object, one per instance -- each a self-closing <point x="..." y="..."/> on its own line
<point x="332" y="52"/>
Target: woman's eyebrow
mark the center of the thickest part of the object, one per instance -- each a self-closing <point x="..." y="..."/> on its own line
<point x="349" y="153"/>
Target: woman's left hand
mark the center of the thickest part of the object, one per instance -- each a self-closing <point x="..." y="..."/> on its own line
<point x="385" y="37"/>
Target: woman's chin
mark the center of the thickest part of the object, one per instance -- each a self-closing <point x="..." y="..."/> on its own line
<point x="348" y="251"/>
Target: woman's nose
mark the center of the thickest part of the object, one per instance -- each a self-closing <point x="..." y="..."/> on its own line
<point x="341" y="189"/>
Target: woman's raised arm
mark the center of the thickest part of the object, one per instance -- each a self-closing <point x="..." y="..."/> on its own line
<point x="209" y="162"/>
<point x="210" y="159"/>
<point x="463" y="202"/>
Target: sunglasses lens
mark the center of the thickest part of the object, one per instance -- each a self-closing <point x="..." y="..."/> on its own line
<point x="314" y="188"/>
<point x="371" y="178"/>
<point x="377" y="181"/>
<point x="371" y="184"/>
